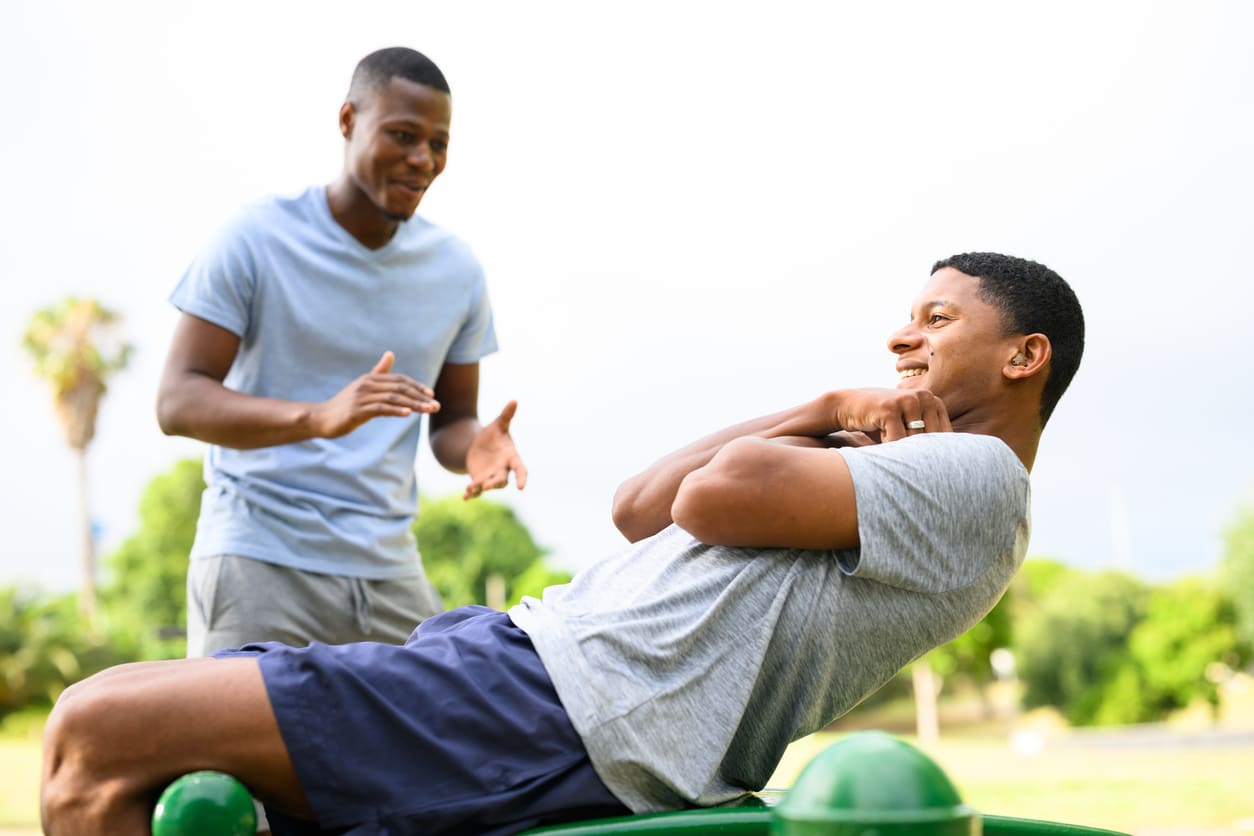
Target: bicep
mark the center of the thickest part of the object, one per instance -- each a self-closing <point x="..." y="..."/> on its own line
<point x="758" y="493"/>
<point x="200" y="347"/>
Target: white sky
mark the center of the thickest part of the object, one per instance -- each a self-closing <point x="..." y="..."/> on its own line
<point x="690" y="214"/>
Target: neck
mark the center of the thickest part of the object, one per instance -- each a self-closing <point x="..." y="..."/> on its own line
<point x="359" y="217"/>
<point x="1021" y="431"/>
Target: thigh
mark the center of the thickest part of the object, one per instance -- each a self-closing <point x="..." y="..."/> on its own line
<point x="141" y="725"/>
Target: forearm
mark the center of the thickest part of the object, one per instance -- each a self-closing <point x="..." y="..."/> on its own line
<point x="450" y="442"/>
<point x="197" y="406"/>
<point x="642" y="504"/>
<point x="780" y="493"/>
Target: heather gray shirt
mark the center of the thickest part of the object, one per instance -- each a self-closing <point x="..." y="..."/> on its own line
<point x="688" y="668"/>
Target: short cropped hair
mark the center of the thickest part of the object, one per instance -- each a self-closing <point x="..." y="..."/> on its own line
<point x="1032" y="299"/>
<point x="380" y="67"/>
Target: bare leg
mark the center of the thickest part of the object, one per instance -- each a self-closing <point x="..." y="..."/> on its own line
<point x="114" y="740"/>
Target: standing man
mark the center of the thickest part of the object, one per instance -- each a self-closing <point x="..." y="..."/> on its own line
<point x="316" y="332"/>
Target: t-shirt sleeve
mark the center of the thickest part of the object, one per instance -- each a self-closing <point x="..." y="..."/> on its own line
<point x="477" y="336"/>
<point x="934" y="511"/>
<point x="219" y="284"/>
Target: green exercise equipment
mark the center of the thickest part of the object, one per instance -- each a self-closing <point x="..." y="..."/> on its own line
<point x="205" y="803"/>
<point x="866" y="784"/>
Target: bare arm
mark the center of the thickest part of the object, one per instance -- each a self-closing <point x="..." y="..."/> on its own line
<point x="643" y="505"/>
<point x="759" y="492"/>
<point x="462" y="445"/>
<point x="191" y="400"/>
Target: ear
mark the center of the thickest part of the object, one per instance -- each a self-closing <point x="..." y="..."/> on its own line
<point x="1031" y="357"/>
<point x="347" y="117"/>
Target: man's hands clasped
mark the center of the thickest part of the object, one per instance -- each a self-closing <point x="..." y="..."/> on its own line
<point x="890" y="414"/>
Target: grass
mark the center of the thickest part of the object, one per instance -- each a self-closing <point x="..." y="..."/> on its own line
<point x="20" y="761"/>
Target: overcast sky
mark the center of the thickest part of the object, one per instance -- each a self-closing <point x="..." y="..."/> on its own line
<point x="690" y="214"/>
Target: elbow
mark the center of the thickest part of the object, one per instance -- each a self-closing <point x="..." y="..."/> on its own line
<point x="168" y="415"/>
<point x="716" y="503"/>
<point x="449" y="447"/>
<point x="626" y="513"/>
<point x="694" y="508"/>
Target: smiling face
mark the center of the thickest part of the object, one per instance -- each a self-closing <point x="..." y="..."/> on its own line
<point x="396" y="143"/>
<point x="955" y="344"/>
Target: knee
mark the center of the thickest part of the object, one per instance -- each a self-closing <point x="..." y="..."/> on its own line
<point x="74" y="789"/>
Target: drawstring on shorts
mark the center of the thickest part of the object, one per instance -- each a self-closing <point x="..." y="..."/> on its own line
<point x="361" y="604"/>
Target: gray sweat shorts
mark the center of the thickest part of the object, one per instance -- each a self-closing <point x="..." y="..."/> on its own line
<point x="234" y="600"/>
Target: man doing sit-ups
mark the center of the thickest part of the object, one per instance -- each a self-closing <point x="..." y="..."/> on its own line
<point x="780" y="571"/>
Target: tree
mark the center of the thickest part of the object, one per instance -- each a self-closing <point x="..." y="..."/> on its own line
<point x="43" y="649"/>
<point x="1188" y="626"/>
<point x="469" y="548"/>
<point x="1236" y="572"/>
<point x="1072" y="646"/>
<point x="75" y="348"/>
<point x="145" y="597"/>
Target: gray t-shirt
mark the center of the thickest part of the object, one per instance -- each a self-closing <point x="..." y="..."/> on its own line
<point x="688" y="668"/>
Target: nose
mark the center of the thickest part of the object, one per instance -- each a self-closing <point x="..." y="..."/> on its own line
<point x="903" y="339"/>
<point x="420" y="157"/>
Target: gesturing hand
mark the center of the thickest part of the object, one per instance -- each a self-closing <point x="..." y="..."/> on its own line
<point x="893" y="413"/>
<point x="492" y="456"/>
<point x="374" y="394"/>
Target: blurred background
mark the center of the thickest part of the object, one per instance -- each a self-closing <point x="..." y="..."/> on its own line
<point x="690" y="214"/>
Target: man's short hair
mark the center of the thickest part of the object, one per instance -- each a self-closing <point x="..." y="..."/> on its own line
<point x="1032" y="299"/>
<point x="381" y="66"/>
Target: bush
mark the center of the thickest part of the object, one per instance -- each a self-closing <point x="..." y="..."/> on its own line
<point x="44" y="648"/>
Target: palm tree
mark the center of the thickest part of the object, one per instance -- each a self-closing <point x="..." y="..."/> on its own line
<point x="76" y="348"/>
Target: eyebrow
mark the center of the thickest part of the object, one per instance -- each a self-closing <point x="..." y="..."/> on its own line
<point x="410" y="122"/>
<point x="937" y="303"/>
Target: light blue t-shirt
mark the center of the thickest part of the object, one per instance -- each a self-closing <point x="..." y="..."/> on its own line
<point x="315" y="309"/>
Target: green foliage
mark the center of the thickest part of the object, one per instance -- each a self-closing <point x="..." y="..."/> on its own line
<point x="1036" y="581"/>
<point x="534" y="580"/>
<point x="1236" y="572"/>
<point x="1105" y="648"/>
<point x="145" y="599"/>
<point x="72" y="339"/>
<point x="1188" y="626"/>
<point x="1073" y="642"/>
<point x="464" y="542"/>
<point x="44" y="648"/>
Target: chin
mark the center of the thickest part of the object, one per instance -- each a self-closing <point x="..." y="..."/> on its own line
<point x="400" y="213"/>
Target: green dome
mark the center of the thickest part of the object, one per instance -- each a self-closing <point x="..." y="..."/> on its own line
<point x="871" y="783"/>
<point x="205" y="803"/>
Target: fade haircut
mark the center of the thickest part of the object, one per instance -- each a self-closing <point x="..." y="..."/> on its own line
<point x="378" y="68"/>
<point x="1032" y="299"/>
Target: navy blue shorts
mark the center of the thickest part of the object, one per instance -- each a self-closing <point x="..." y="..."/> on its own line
<point x="458" y="730"/>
